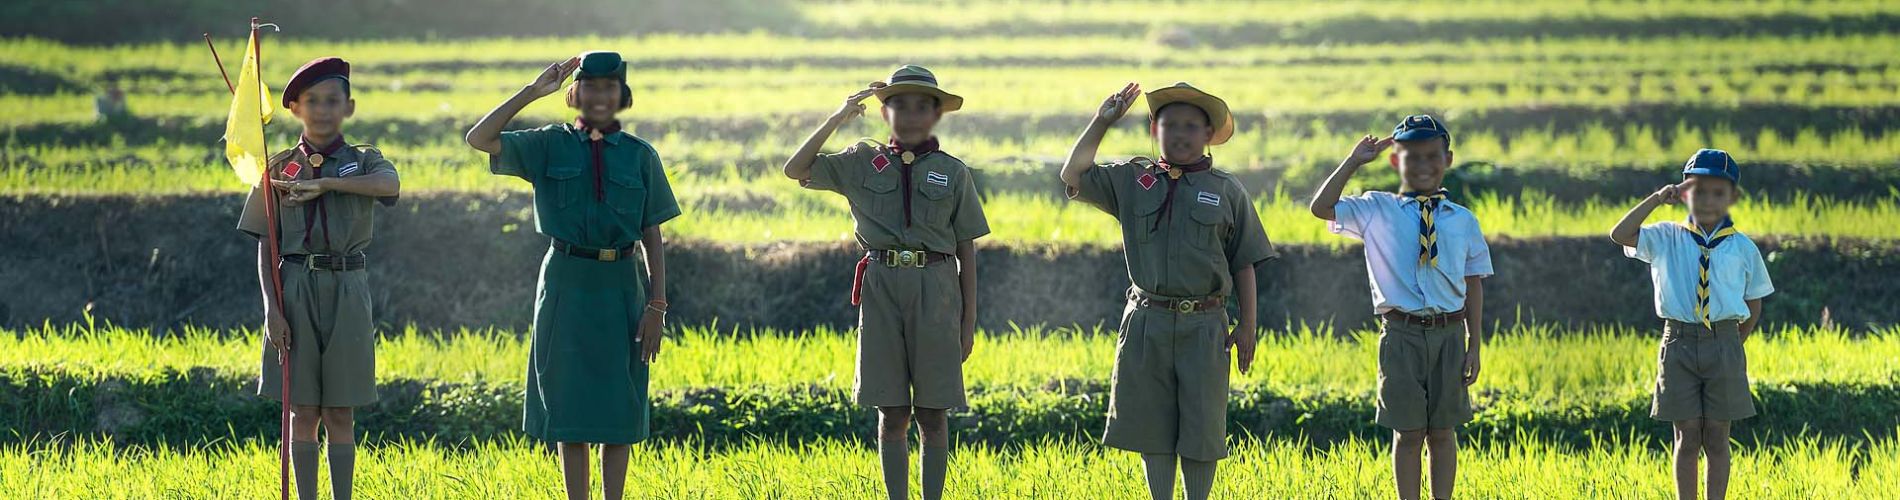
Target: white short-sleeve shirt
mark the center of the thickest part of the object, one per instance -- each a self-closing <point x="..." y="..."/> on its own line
<point x="1389" y="225"/>
<point x="1737" y="272"/>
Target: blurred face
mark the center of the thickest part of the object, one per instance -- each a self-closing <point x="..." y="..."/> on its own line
<point x="322" y="108"/>
<point x="597" y="99"/>
<point x="1709" y="198"/>
<point x="1183" y="132"/>
<point x="912" y="116"/>
<point x="1422" y="164"/>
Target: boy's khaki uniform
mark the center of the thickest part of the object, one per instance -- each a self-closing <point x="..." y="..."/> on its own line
<point x="1169" y="392"/>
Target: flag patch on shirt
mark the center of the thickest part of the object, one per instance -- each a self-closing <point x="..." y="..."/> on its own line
<point x="879" y="162"/>
<point x="1208" y="198"/>
<point x="937" y="178"/>
<point x="1147" y="181"/>
<point x="348" y="169"/>
<point x="292" y="169"/>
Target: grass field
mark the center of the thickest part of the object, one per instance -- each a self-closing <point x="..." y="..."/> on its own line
<point x="1273" y="469"/>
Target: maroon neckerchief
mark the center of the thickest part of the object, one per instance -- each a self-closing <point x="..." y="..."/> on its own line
<point x="903" y="170"/>
<point x="316" y="171"/>
<point x="1167" y="200"/>
<point x="595" y="144"/>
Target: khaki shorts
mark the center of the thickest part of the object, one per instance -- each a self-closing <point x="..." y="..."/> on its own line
<point x="332" y="340"/>
<point x="1702" y="373"/>
<point x="1169" y="391"/>
<point x="910" y="346"/>
<point x="1421" y="376"/>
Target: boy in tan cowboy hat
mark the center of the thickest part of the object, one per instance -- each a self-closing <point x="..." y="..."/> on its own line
<point x="1192" y="239"/>
<point x="913" y="206"/>
<point x="1427" y="261"/>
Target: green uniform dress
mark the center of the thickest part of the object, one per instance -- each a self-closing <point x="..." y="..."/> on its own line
<point x="585" y="380"/>
<point x="1169" y="389"/>
<point x="332" y="333"/>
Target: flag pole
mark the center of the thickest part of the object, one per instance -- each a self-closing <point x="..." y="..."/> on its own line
<point x="220" y="61"/>
<point x="277" y="286"/>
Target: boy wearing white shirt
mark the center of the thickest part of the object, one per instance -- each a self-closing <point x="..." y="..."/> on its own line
<point x="1710" y="280"/>
<point x="1426" y="259"/>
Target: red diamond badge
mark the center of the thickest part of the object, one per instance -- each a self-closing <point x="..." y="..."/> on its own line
<point x="879" y="162"/>
<point x="1147" y="181"/>
<point x="292" y="169"/>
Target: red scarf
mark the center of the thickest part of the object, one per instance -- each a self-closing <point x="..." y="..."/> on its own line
<point x="903" y="170"/>
<point x="596" y="141"/>
<point x="310" y="218"/>
<point x="1167" y="200"/>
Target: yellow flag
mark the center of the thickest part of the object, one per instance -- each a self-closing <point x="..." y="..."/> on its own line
<point x="244" y="127"/>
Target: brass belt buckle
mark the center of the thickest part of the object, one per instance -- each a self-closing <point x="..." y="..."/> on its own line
<point x="907" y="258"/>
<point x="1184" y="306"/>
<point x="609" y="254"/>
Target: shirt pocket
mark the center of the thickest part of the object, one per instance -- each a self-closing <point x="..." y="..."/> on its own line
<point x="1728" y="271"/>
<point x="881" y="200"/>
<point x="1146" y="209"/>
<point x="1210" y="222"/>
<point x="626" y="193"/>
<point x="565" y="182"/>
<point x="937" y="205"/>
<point x="1454" y="242"/>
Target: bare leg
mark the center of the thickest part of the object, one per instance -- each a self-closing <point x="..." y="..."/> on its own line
<point x="574" y="469"/>
<point x="1406" y="466"/>
<point x="1715" y="445"/>
<point x="1688" y="449"/>
<point x="1159" y="467"/>
<point x="893" y="449"/>
<point x="1197" y="478"/>
<point x="613" y="470"/>
<point x="339" y="429"/>
<point x="1443" y="447"/>
<point x="934" y="457"/>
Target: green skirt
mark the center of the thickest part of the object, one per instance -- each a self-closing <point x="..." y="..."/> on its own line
<point x="586" y="383"/>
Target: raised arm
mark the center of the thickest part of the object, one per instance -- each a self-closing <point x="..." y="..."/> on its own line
<point x="486" y="134"/>
<point x="798" y="167"/>
<point x="1627" y="230"/>
<point x="1367" y="150"/>
<point x="1082" y="156"/>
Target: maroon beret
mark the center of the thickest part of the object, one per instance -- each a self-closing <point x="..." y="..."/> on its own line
<point x="313" y="72"/>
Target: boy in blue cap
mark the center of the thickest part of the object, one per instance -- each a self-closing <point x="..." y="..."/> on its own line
<point x="1427" y="261"/>
<point x="1710" y="280"/>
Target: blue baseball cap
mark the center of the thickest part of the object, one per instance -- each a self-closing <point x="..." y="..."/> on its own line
<point x="1419" y="128"/>
<point x="1713" y="163"/>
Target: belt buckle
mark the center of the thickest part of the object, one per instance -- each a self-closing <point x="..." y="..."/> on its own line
<point x="609" y="254"/>
<point x="1184" y="306"/>
<point x="907" y="258"/>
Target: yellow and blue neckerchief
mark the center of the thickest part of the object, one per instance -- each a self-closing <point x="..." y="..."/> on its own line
<point x="1427" y="228"/>
<point x="1707" y="242"/>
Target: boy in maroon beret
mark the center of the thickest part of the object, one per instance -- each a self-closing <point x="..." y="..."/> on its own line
<point x="327" y="191"/>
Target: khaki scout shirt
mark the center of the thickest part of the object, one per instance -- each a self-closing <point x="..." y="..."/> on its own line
<point x="351" y="217"/>
<point x="945" y="209"/>
<point x="1211" y="232"/>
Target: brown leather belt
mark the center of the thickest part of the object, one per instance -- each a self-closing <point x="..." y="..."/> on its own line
<point x="905" y="258"/>
<point x="328" y="262"/>
<point x="1183" y="306"/>
<point x="600" y="254"/>
<point x="1432" y="320"/>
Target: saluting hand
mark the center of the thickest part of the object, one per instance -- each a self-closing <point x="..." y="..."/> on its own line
<point x="1367" y="150"/>
<point x="1672" y="194"/>
<point x="652" y="325"/>
<point x="1118" y="103"/>
<point x="854" y="104"/>
<point x="550" y="80"/>
<point x="1242" y="341"/>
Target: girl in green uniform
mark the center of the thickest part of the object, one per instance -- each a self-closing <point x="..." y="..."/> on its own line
<point x="598" y="190"/>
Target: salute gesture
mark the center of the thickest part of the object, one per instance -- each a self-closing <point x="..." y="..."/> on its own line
<point x="1367" y="150"/>
<point x="550" y="80"/>
<point x="854" y="104"/>
<point x="1118" y="103"/>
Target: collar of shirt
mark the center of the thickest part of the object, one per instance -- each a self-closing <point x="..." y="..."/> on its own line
<point x="1202" y="165"/>
<point x="610" y="133"/>
<point x="1443" y="205"/>
<point x="304" y="146"/>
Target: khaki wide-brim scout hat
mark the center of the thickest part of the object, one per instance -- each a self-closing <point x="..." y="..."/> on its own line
<point x="1217" y="113"/>
<point x="914" y="79"/>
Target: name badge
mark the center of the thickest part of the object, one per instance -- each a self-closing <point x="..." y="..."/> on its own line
<point x="937" y="178"/>
<point x="1208" y="198"/>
